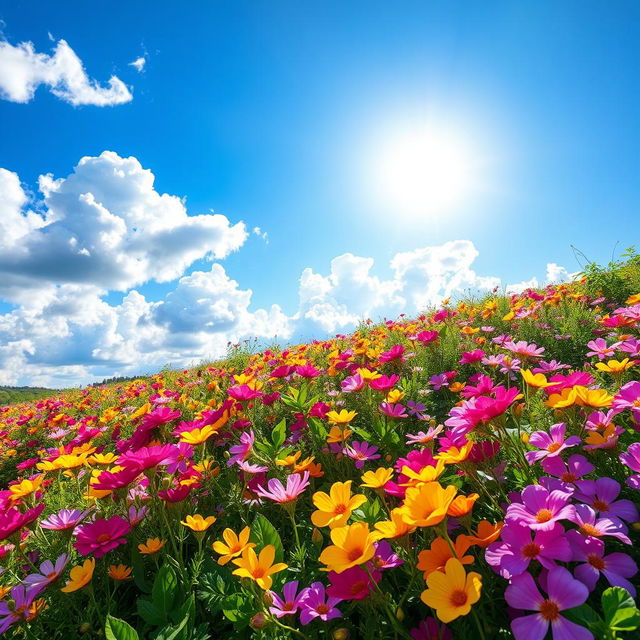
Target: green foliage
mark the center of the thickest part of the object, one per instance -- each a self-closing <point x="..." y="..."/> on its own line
<point x="615" y="281"/>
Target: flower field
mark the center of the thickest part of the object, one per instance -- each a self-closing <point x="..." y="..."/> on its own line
<point x="471" y="473"/>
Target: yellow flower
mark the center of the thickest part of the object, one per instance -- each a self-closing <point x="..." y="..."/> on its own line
<point x="453" y="592"/>
<point x="258" y="568"/>
<point x="565" y="398"/>
<point x="143" y="410"/>
<point x="367" y="374"/>
<point x="290" y="460"/>
<point x="427" y="505"/>
<point x="235" y="544"/>
<point x="462" y="505"/>
<point x="634" y="299"/>
<point x="615" y="366"/>
<point x="197" y="436"/>
<point x="395" y="395"/>
<point x="335" y="509"/>
<point x="337" y="434"/>
<point x="344" y="417"/>
<point x="376" y="479"/>
<point x="119" y="572"/>
<point x="103" y="458"/>
<point x="394" y="528"/>
<point x="352" y="546"/>
<point x="596" y="398"/>
<point x="80" y="576"/>
<point x="197" y="522"/>
<point x="435" y="558"/>
<point x="537" y="380"/>
<point x="426" y="474"/>
<point x="604" y="440"/>
<point x="25" y="488"/>
<point x="151" y="546"/>
<point x="453" y="455"/>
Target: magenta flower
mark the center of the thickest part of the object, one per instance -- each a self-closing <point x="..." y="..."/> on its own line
<point x="384" y="383"/>
<point x="540" y="508"/>
<point x="601" y="494"/>
<point x="550" y="444"/>
<point x="425" y="337"/>
<point x="439" y="380"/>
<point x="64" y="519"/>
<point x="469" y="357"/>
<point x="395" y="353"/>
<point x="483" y="409"/>
<point x="512" y="555"/>
<point x="564" y="592"/>
<point x="599" y="420"/>
<point x="48" y="573"/>
<point x="615" y="567"/>
<point x="243" y="393"/>
<point x="180" y="458"/>
<point x="352" y="383"/>
<point x="575" y="468"/>
<point x="628" y="398"/>
<point x="243" y="450"/>
<point x="277" y="492"/>
<point x="589" y="525"/>
<point x="159" y="416"/>
<point x="147" y="457"/>
<point x="13" y="519"/>
<point x="110" y="480"/>
<point x="307" y="371"/>
<point x="316" y="604"/>
<point x="101" y="536"/>
<point x="361" y="452"/>
<point x="384" y="557"/>
<point x="351" y="584"/>
<point x="600" y="349"/>
<point x="393" y="410"/>
<point x="429" y="629"/>
<point x="290" y="601"/>
<point x="631" y="459"/>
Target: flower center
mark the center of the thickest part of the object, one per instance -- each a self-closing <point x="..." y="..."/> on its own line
<point x="531" y="550"/>
<point x="568" y="477"/>
<point x="258" y="572"/>
<point x="600" y="505"/>
<point x="636" y="403"/>
<point x="589" y="530"/>
<point x="458" y="598"/>
<point x="549" y="610"/>
<point x="544" y="515"/>
<point x="357" y="587"/>
<point x="322" y="609"/>
<point x="340" y="509"/>
<point x="52" y="575"/>
<point x="596" y="561"/>
<point x="288" y="606"/>
<point x="354" y="553"/>
<point x="104" y="537"/>
<point x="553" y="447"/>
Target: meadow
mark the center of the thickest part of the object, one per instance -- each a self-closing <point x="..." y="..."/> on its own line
<point x="472" y="473"/>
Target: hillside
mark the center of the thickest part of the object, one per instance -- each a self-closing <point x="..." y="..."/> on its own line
<point x="429" y="472"/>
<point x="14" y="395"/>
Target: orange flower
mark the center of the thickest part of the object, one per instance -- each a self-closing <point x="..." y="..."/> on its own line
<point x="352" y="546"/>
<point x="485" y="535"/>
<point x="453" y="455"/>
<point x="462" y="505"/>
<point x="233" y="544"/>
<point x="80" y="576"/>
<point x="394" y="528"/>
<point x="151" y="546"/>
<point x="435" y="558"/>
<point x="334" y="509"/>
<point x="427" y="505"/>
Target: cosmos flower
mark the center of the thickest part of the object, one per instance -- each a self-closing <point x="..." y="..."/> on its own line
<point x="290" y="602"/>
<point x="101" y="536"/>
<point x="352" y="584"/>
<point x="233" y="545"/>
<point x="49" y="572"/>
<point x="13" y="519"/>
<point x="550" y="444"/>
<point x="296" y="484"/>
<point x="352" y="546"/>
<point x="258" y="568"/>
<point x="361" y="452"/>
<point x="64" y="519"/>
<point x="335" y="508"/>
<point x="541" y="509"/>
<point x="317" y="604"/>
<point x="80" y="576"/>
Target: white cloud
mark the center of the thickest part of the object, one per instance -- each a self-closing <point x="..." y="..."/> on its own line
<point x="103" y="225"/>
<point x="261" y="234"/>
<point x="138" y="64"/>
<point x="556" y="274"/>
<point x="23" y="70"/>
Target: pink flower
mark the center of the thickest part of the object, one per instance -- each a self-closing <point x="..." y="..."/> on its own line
<point x="13" y="519"/>
<point x="148" y="457"/>
<point x="393" y="410"/>
<point x="361" y="452"/>
<point x="243" y="450"/>
<point x="316" y="604"/>
<point x="524" y="349"/>
<point x="512" y="555"/>
<point x="423" y="438"/>
<point x="628" y="398"/>
<point x="290" y="601"/>
<point x="101" y="536"/>
<point x="64" y="519"/>
<point x="425" y="337"/>
<point x="632" y="460"/>
<point x="589" y="525"/>
<point x="351" y="584"/>
<point x="395" y="353"/>
<point x="384" y="383"/>
<point x="243" y="393"/>
<point x="615" y="567"/>
<point x="277" y="492"/>
<point x="540" y="509"/>
<point x="599" y="348"/>
<point x="468" y="357"/>
<point x="551" y="444"/>
<point x="352" y="383"/>
<point x="564" y="592"/>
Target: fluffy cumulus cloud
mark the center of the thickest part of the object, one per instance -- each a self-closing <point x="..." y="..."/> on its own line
<point x="23" y="70"/>
<point x="105" y="229"/>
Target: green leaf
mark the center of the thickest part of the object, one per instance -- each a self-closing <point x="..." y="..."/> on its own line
<point x="150" y="613"/>
<point x="264" y="533"/>
<point x="174" y="632"/>
<point x="164" y="589"/>
<point x="620" y="612"/>
<point x="583" y="615"/>
<point x="279" y="434"/>
<point x="116" y="629"/>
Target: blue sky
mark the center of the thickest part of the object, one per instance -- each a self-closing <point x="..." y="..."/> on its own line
<point x="274" y="113"/>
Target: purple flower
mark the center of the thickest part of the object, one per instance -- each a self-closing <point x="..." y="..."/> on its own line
<point x="64" y="519"/>
<point x="352" y="383"/>
<point x="393" y="410"/>
<point x="589" y="525"/>
<point x="48" y="573"/>
<point x="438" y="381"/>
<point x="512" y="555"/>
<point x="564" y="592"/>
<point x="550" y="444"/>
<point x="601" y="494"/>
<point x="599" y="348"/>
<point x="136" y="516"/>
<point x="180" y="458"/>
<point x="615" y="567"/>
<point x="296" y="484"/>
<point x="575" y="468"/>
<point x="316" y="604"/>
<point x="290" y="601"/>
<point x="632" y="460"/>
<point x="540" y="508"/>
<point x="361" y="452"/>
<point x="17" y="606"/>
<point x="385" y="558"/>
<point x="628" y="398"/>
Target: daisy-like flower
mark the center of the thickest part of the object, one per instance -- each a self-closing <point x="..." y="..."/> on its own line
<point x="101" y="536"/>
<point x="316" y="604"/>
<point x="18" y="607"/>
<point x="590" y="525"/>
<point x="452" y="592"/>
<point x="242" y="450"/>
<point x="49" y="572"/>
<point x="576" y="467"/>
<point x="564" y="592"/>
<point x="335" y="508"/>
<point x="540" y="509"/>
<point x="119" y="572"/>
<point x="631" y="459"/>
<point x="64" y="519"/>
<point x="12" y="520"/>
<point x="80" y="576"/>
<point x="290" y="602"/>
<point x="233" y="544"/>
<point x="602" y="494"/>
<point x="376" y="479"/>
<point x="424" y="438"/>
<point x="550" y="444"/>
<point x="151" y="546"/>
<point x="197" y="522"/>
<point x="258" y="568"/>
<point x="296" y="484"/>
<point x="361" y="452"/>
<point x="352" y="546"/>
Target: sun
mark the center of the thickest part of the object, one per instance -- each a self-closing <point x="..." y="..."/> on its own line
<point x="424" y="172"/>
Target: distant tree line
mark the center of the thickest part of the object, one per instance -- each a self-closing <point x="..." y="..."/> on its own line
<point x="13" y="395"/>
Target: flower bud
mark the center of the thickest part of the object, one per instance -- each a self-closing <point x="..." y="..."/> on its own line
<point x="317" y="537"/>
<point x="267" y="598"/>
<point x="258" y="621"/>
<point x="399" y="614"/>
<point x="525" y="437"/>
<point x="340" y="634"/>
<point x="85" y="627"/>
